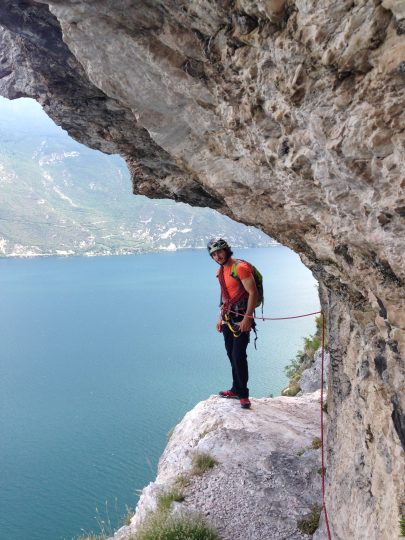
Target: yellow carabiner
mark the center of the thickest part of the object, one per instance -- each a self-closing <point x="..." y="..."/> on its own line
<point x="236" y="333"/>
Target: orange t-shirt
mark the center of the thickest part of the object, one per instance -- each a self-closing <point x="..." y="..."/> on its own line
<point x="232" y="285"/>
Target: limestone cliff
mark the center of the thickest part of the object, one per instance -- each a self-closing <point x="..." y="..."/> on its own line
<point x="285" y="114"/>
<point x="267" y="475"/>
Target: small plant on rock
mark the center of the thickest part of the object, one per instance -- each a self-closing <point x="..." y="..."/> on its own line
<point x="202" y="462"/>
<point x="402" y="525"/>
<point x="181" y="481"/>
<point x="165" y="499"/>
<point x="310" y="523"/>
<point x="293" y="388"/>
<point x="164" y="527"/>
<point x="316" y="443"/>
<point x="129" y="512"/>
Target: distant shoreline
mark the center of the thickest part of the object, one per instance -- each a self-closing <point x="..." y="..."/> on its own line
<point x="121" y="254"/>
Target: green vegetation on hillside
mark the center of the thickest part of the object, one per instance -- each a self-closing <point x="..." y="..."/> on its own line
<point x="164" y="527"/>
<point x="303" y="360"/>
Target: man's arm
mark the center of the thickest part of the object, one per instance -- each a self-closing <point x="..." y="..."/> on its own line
<point x="250" y="287"/>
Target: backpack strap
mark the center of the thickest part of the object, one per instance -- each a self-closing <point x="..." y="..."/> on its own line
<point x="234" y="272"/>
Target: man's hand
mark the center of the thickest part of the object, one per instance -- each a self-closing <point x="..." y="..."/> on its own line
<point x="245" y="324"/>
<point x="219" y="325"/>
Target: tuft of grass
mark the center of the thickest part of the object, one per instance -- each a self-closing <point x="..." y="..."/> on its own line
<point x="402" y="525"/>
<point x="165" y="499"/>
<point x="181" y="481"/>
<point x="129" y="512"/>
<point x="103" y="522"/>
<point x="319" y="471"/>
<point x="201" y="462"/>
<point x="309" y="524"/>
<point x="316" y="443"/>
<point x="301" y="452"/>
<point x="163" y="527"/>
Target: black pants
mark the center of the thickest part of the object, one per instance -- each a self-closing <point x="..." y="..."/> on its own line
<point x="236" y="351"/>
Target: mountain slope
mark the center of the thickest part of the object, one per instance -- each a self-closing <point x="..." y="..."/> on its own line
<point x="58" y="197"/>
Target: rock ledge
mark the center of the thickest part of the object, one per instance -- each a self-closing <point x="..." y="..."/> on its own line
<point x="267" y="477"/>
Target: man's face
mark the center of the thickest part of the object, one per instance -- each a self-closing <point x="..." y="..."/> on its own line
<point x="220" y="256"/>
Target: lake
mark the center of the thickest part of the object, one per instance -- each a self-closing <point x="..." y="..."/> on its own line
<point x="101" y="357"/>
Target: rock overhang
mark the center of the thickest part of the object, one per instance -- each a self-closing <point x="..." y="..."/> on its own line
<point x="281" y="115"/>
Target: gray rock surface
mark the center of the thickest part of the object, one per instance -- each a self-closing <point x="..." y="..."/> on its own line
<point x="311" y="378"/>
<point x="288" y="115"/>
<point x="267" y="475"/>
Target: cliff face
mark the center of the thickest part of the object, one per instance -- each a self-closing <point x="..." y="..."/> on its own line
<point x="266" y="479"/>
<point x="288" y="115"/>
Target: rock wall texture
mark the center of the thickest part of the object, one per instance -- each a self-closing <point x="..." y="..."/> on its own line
<point x="311" y="378"/>
<point x="288" y="115"/>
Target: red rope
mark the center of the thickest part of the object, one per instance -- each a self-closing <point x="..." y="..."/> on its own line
<point x="278" y="318"/>
<point x="322" y="381"/>
<point x="322" y="446"/>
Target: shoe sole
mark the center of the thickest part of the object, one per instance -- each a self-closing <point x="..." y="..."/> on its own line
<point x="246" y="405"/>
<point x="228" y="397"/>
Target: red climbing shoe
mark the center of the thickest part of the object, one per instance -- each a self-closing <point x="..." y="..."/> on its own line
<point x="245" y="403"/>
<point x="228" y="394"/>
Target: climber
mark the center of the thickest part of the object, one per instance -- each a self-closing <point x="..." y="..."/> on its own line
<point x="239" y="297"/>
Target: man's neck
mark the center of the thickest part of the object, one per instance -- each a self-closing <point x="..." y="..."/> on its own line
<point x="228" y="263"/>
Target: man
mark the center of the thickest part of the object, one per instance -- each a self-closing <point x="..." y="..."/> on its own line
<point x="239" y="297"/>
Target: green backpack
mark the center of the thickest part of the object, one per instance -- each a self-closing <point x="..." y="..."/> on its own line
<point x="256" y="274"/>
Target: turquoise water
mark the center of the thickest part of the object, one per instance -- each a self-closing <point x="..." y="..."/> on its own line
<point x="101" y="357"/>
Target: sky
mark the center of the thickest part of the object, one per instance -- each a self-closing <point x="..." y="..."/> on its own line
<point x="25" y="112"/>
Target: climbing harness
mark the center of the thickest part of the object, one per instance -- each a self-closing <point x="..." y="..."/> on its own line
<point x="322" y="401"/>
<point x="238" y="302"/>
<point x="234" y="328"/>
